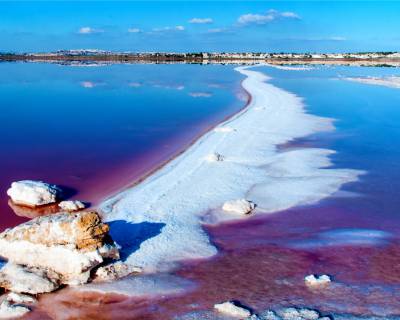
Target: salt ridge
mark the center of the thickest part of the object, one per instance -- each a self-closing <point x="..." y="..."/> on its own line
<point x="391" y="82"/>
<point x="181" y="195"/>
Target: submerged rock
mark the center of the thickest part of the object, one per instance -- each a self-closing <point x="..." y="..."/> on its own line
<point x="9" y="310"/>
<point x="240" y="206"/>
<point x="317" y="281"/>
<point x="20" y="279"/>
<point x="69" y="245"/>
<point x="72" y="205"/>
<point x="231" y="309"/>
<point x="33" y="193"/>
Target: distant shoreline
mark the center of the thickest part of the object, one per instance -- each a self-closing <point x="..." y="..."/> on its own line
<point x="133" y="58"/>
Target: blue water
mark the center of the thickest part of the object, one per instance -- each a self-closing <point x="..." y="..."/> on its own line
<point x="94" y="129"/>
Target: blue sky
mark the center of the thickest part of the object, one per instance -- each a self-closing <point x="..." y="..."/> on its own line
<point x="272" y="26"/>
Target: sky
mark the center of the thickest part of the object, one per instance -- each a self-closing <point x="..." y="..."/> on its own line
<point x="193" y="26"/>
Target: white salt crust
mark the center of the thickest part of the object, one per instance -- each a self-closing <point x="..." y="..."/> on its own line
<point x="33" y="193"/>
<point x="391" y="82"/>
<point x="177" y="198"/>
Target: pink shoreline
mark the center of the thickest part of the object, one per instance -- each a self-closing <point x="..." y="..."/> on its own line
<point x="132" y="175"/>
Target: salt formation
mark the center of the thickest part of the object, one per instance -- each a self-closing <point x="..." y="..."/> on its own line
<point x="71" y="205"/>
<point x="115" y="271"/>
<point x="61" y="248"/>
<point x="215" y="157"/>
<point x="315" y="281"/>
<point x="20" y="298"/>
<point x="9" y="310"/>
<point x="233" y="310"/>
<point x="20" y="279"/>
<point x="241" y="206"/>
<point x="293" y="314"/>
<point x="33" y="193"/>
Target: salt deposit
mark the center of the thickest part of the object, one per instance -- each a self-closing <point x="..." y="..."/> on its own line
<point x="214" y="157"/>
<point x="392" y="82"/>
<point x="33" y="193"/>
<point x="171" y="203"/>
<point x="232" y="309"/>
<point x="317" y="281"/>
<point x="71" y="205"/>
<point x="240" y="206"/>
<point x="9" y="310"/>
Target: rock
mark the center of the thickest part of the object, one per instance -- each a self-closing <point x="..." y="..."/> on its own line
<point x="20" y="298"/>
<point x="230" y="308"/>
<point x="33" y="193"/>
<point x="71" y="205"/>
<point x="69" y="245"/>
<point x="18" y="279"/>
<point x="9" y="310"/>
<point x="240" y="206"/>
<point x="115" y="271"/>
<point x="315" y="281"/>
<point x="215" y="157"/>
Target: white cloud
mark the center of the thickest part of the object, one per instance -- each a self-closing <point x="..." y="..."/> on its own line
<point x="215" y="30"/>
<point x="201" y="20"/>
<point x="269" y="16"/>
<point x="89" y="30"/>
<point x="337" y="38"/>
<point x="176" y="28"/>
<point x="134" y="30"/>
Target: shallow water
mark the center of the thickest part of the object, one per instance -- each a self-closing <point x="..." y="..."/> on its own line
<point x="97" y="129"/>
<point x="352" y="236"/>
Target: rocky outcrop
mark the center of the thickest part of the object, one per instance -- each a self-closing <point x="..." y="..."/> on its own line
<point x="240" y="206"/>
<point x="71" y="205"/>
<point x="33" y="193"/>
<point x="64" y="246"/>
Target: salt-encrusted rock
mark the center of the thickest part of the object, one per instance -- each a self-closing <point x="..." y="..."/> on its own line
<point x="9" y="310"/>
<point x="19" y="279"/>
<point x="231" y="309"/>
<point x="14" y="297"/>
<point x="33" y="193"/>
<point x="71" y="205"/>
<point x="215" y="157"/>
<point x="240" y="206"/>
<point x="115" y="271"/>
<point x="317" y="281"/>
<point x="70" y="245"/>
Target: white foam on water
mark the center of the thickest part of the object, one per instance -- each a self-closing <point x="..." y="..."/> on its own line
<point x="182" y="193"/>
